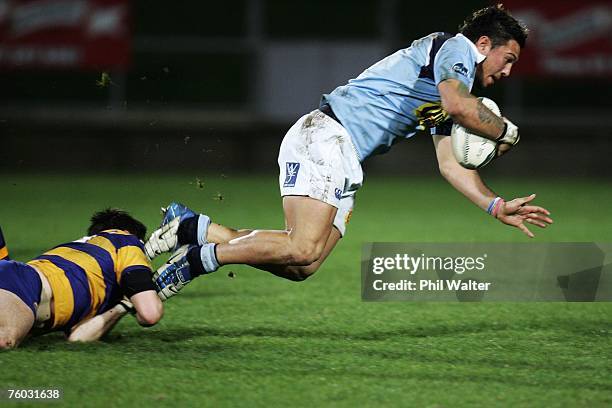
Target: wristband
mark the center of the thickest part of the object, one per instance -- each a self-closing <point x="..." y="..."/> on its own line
<point x="497" y="207"/>
<point x="494" y="206"/>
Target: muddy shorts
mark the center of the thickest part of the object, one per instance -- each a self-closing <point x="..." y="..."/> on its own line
<point x="317" y="159"/>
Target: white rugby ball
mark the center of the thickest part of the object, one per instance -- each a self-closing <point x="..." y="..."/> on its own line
<point x="470" y="150"/>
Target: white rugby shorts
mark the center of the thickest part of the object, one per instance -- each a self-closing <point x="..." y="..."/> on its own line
<point x="317" y="159"/>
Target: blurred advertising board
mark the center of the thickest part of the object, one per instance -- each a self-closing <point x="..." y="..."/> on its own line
<point x="64" y="34"/>
<point x="567" y="38"/>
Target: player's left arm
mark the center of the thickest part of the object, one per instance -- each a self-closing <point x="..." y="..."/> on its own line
<point x="93" y="329"/>
<point x="146" y="306"/>
<point x="515" y="213"/>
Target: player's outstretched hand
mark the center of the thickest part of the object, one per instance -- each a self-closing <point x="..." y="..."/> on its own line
<point x="519" y="211"/>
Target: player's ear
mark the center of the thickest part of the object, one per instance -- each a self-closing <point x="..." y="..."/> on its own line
<point x="484" y="44"/>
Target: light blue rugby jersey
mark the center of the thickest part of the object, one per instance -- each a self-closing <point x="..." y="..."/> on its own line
<point x="398" y="95"/>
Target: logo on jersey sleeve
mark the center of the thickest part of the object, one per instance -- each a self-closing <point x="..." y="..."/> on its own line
<point x="461" y="69"/>
<point x="291" y="173"/>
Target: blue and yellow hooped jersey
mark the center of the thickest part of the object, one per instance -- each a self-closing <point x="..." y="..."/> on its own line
<point x="3" y="249"/>
<point x="85" y="275"/>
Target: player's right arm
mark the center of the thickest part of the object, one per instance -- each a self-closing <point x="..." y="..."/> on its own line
<point x="138" y="287"/>
<point x="148" y="307"/>
<point x="137" y="284"/>
<point x="468" y="111"/>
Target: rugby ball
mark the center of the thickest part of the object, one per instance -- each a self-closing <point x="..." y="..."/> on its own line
<point x="470" y="150"/>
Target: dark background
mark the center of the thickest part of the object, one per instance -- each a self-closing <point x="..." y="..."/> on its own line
<point x="213" y="86"/>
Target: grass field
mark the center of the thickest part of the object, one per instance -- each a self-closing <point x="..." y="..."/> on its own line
<point x="257" y="340"/>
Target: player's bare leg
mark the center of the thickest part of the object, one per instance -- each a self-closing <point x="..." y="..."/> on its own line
<point x="294" y="253"/>
<point x="301" y="272"/>
<point x="221" y="234"/>
<point x="16" y="320"/>
<point x="305" y="241"/>
<point x="293" y="211"/>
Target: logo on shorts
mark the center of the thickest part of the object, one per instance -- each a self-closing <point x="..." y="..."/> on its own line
<point x="348" y="217"/>
<point x="338" y="193"/>
<point x="291" y="171"/>
<point x="460" y="69"/>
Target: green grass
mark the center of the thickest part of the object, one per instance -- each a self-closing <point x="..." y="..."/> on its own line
<point x="257" y="340"/>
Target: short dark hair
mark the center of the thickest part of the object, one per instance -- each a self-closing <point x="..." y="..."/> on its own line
<point x="497" y="24"/>
<point x="113" y="218"/>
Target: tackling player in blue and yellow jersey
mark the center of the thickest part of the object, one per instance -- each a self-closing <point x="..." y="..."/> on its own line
<point x="81" y="287"/>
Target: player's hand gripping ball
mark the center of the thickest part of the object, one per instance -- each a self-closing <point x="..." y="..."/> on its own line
<point x="470" y="150"/>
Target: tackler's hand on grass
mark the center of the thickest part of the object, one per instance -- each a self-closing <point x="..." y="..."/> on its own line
<point x="518" y="211"/>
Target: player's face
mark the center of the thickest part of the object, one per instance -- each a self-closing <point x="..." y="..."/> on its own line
<point x="498" y="63"/>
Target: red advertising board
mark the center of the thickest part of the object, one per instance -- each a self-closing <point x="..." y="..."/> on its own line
<point x="567" y="38"/>
<point x="64" y="34"/>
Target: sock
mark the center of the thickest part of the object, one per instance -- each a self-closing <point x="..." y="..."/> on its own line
<point x="188" y="231"/>
<point x="202" y="232"/>
<point x="202" y="259"/>
<point x="193" y="230"/>
<point x="195" y="264"/>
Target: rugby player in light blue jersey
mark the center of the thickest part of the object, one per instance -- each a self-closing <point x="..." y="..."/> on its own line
<point x="425" y="86"/>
